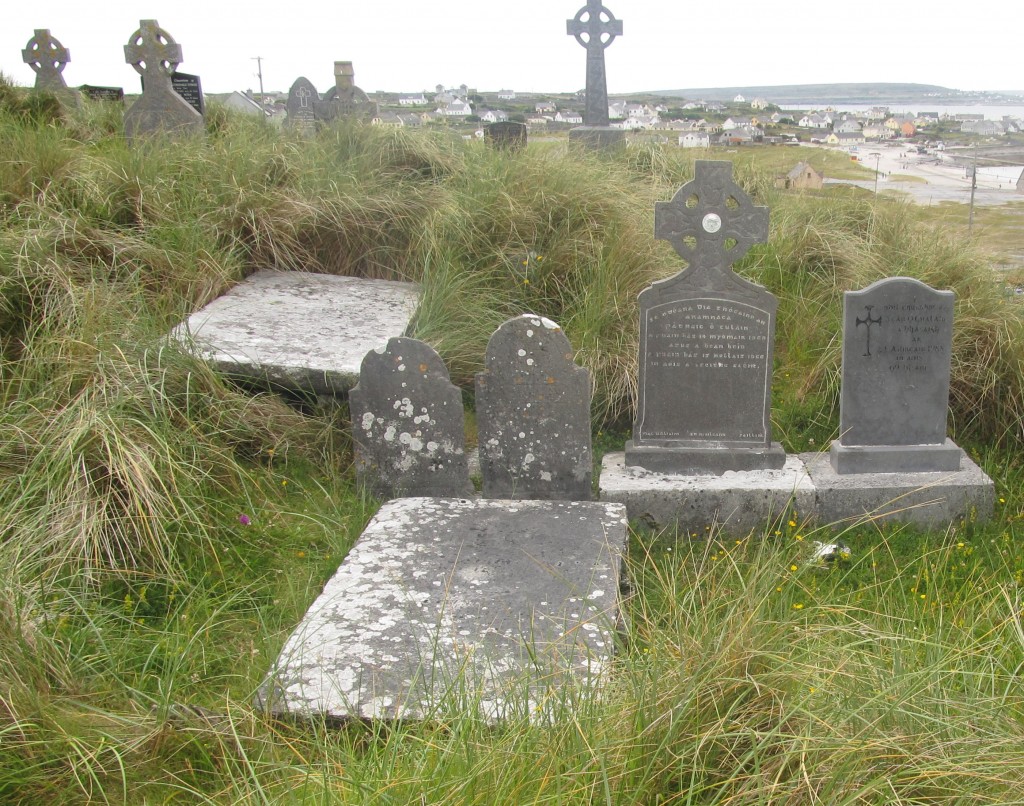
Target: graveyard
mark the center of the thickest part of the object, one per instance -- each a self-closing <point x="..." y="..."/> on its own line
<point x="178" y="525"/>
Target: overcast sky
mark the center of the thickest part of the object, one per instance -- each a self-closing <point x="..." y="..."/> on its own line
<point x="410" y="45"/>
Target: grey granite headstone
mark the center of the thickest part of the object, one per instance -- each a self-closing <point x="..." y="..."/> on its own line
<point x="299" y="331"/>
<point x="595" y="28"/>
<point x="345" y="100"/>
<point x="154" y="55"/>
<point x="301" y="107"/>
<point x="706" y="339"/>
<point x="507" y="134"/>
<point x="533" y="414"/>
<point x="446" y="607"/>
<point x="47" y="57"/>
<point x="408" y="424"/>
<point x="897" y="346"/>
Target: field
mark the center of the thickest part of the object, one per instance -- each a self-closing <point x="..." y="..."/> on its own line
<point x="161" y="531"/>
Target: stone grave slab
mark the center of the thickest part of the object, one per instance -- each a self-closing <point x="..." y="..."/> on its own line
<point x="533" y="414"/>
<point x="448" y="606"/>
<point x="507" y="135"/>
<point x="299" y="331"/>
<point x="707" y="338"/>
<point x="408" y="424"/>
<point x="934" y="498"/>
<point x="301" y="107"/>
<point x="894" y="400"/>
<point x="738" y="501"/>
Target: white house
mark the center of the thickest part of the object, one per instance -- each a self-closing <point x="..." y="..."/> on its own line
<point x="568" y="116"/>
<point x="739" y="99"/>
<point x="506" y="95"/>
<point x="455" y="109"/>
<point x="494" y="116"/>
<point x="412" y="100"/>
<point x="695" y="140"/>
<point x="815" y="121"/>
<point x="543" y="107"/>
<point x="243" y="103"/>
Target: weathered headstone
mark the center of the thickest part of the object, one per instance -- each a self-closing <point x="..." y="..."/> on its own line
<point x="533" y="414"/>
<point x="595" y="28"/>
<point x="706" y="339"/>
<point x="154" y="55"/>
<point x="47" y="57"/>
<point x="111" y="94"/>
<point x="301" y="107"/>
<point x="408" y="424"/>
<point x="507" y="134"/>
<point x="447" y="606"/>
<point x="190" y="88"/>
<point x="345" y="99"/>
<point x="897" y="345"/>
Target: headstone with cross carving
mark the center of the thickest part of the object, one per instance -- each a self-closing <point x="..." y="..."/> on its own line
<point x="301" y="107"/>
<point x="48" y="57"/>
<point x="595" y="28"/>
<point x="706" y="339"/>
<point x="154" y="55"/>
<point x="897" y="345"/>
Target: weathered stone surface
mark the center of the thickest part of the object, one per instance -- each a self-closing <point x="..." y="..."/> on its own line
<point x="595" y="28"/>
<point x="706" y="339"/>
<point x="301" y="107"/>
<point x="533" y="414"/>
<point x="345" y="99"/>
<point x="737" y="502"/>
<point x="507" y="134"/>
<point x="597" y="137"/>
<point x="449" y="606"/>
<point x="408" y="424"/>
<point x="935" y="498"/>
<point x="154" y="55"/>
<point x="897" y="347"/>
<point x="47" y="57"/>
<point x="300" y="331"/>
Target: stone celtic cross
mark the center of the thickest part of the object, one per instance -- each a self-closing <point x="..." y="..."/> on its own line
<point x="48" y="58"/>
<point x="595" y="28"/>
<point x="153" y="54"/>
<point x="710" y="221"/>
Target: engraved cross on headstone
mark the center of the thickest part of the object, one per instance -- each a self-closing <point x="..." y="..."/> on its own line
<point x="48" y="58"/>
<point x="304" y="96"/>
<point x="153" y="54"/>
<point x="711" y="221"/>
<point x="590" y="26"/>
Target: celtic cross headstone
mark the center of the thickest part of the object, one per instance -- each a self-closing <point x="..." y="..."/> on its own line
<point x="47" y="57"/>
<point x="706" y="339"/>
<point x="154" y="55"/>
<point x="345" y="99"/>
<point x="595" y="28"/>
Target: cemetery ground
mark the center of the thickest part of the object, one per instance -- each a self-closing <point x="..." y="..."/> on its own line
<point x="161" y="531"/>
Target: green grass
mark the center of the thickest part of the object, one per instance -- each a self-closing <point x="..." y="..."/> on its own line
<point x="141" y="614"/>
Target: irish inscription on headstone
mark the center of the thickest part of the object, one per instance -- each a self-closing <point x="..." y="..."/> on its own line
<point x="112" y="94"/>
<point x="190" y="88"/>
<point x="533" y="414"/>
<point x="301" y="107"/>
<point x="154" y="55"/>
<point x="706" y="339"/>
<point x="407" y="424"/>
<point x="595" y="28"/>
<point x="897" y="344"/>
<point x="47" y="57"/>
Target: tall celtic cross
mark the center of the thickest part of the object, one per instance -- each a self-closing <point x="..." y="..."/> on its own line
<point x="154" y="55"/>
<point x="595" y="28"/>
<point x="710" y="221"/>
<point x="48" y="58"/>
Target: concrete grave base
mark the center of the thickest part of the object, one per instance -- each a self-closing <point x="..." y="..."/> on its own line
<point x="930" y="499"/>
<point x="597" y="137"/>
<point x="443" y="606"/>
<point x="741" y="501"/>
<point x="299" y="331"/>
<point x="707" y="461"/>
<point x="895" y="458"/>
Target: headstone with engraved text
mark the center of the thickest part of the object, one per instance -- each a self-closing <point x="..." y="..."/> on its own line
<point x="706" y="339"/>
<point x="301" y="107"/>
<point x="111" y="94"/>
<point x="897" y="344"/>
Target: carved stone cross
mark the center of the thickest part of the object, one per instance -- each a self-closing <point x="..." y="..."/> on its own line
<point x="48" y="58"/>
<point x="304" y="96"/>
<point x="153" y="54"/>
<point x="591" y="25"/>
<point x="710" y="221"/>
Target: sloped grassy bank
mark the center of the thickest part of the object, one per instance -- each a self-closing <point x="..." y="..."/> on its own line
<point x="160" y="531"/>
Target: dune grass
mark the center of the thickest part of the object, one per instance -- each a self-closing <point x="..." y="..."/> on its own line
<point x="161" y="532"/>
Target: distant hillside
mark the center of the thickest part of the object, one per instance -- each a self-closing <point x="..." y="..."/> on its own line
<point x="795" y="94"/>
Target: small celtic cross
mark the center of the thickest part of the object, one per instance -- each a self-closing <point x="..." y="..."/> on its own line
<point x="710" y="221"/>
<point x="48" y="58"/>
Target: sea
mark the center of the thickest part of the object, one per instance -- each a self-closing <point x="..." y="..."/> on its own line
<point x="991" y="112"/>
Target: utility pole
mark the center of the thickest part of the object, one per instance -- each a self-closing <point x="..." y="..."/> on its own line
<point x="974" y="184"/>
<point x="878" y="158"/>
<point x="259" y="72"/>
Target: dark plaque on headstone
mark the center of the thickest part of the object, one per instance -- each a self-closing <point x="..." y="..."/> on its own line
<point x="897" y="345"/>
<point x="706" y="339"/>
<point x="508" y="135"/>
<point x="533" y="414"/>
<point x="407" y="424"/>
<point x="301" y="107"/>
<point x="154" y="55"/>
<point x="190" y="88"/>
<point x="47" y="57"/>
<point x="113" y="94"/>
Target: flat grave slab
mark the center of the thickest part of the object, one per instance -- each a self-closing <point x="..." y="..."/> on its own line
<point x="933" y="498"/>
<point x="737" y="500"/>
<point x="300" y="331"/>
<point x="444" y="605"/>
